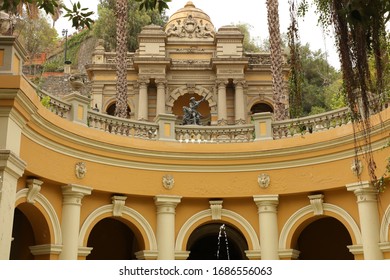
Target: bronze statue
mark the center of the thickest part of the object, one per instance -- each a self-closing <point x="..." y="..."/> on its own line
<point x="191" y="115"/>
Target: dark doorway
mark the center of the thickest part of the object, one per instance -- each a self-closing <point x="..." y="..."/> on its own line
<point x="204" y="244"/>
<point x="112" y="240"/>
<point x="23" y="237"/>
<point x="324" y="239"/>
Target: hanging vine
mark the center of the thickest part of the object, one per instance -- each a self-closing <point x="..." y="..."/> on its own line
<point x="359" y="27"/>
<point x="296" y="73"/>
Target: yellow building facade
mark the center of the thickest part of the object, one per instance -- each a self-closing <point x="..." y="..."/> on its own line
<point x="81" y="184"/>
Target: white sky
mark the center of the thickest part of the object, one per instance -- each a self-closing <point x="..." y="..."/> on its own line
<point x="252" y="12"/>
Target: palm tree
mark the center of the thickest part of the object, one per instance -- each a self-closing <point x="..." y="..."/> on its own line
<point x="280" y="96"/>
<point x="121" y="58"/>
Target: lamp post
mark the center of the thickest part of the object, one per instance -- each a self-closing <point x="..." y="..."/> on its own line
<point x="66" y="62"/>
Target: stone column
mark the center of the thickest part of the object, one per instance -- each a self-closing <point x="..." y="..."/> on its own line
<point x="367" y="200"/>
<point x="239" y="105"/>
<point x="166" y="225"/>
<point x="222" y="108"/>
<point x="143" y="100"/>
<point x="71" y="208"/>
<point x="268" y="221"/>
<point x="160" y="109"/>
<point x="11" y="169"/>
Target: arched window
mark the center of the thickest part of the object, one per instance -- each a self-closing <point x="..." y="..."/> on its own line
<point x="261" y="108"/>
<point x="111" y="110"/>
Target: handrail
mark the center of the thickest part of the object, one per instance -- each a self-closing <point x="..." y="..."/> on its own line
<point x="54" y="103"/>
<point x="215" y="134"/>
<point x="120" y="126"/>
<point x="310" y="124"/>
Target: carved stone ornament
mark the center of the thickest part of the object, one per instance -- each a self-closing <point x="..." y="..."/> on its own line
<point x="357" y="167"/>
<point x="263" y="180"/>
<point x="190" y="28"/>
<point x="168" y="181"/>
<point x="80" y="170"/>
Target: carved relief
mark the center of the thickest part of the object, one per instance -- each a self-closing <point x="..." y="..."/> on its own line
<point x="118" y="205"/>
<point x="357" y="167"/>
<point x="316" y="202"/>
<point x="216" y="209"/>
<point x="263" y="180"/>
<point x="190" y="28"/>
<point x="34" y="187"/>
<point x="168" y="181"/>
<point x="80" y="170"/>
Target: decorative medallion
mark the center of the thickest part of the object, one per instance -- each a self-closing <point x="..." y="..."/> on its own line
<point x="263" y="180"/>
<point x="80" y="170"/>
<point x="168" y="181"/>
<point x="357" y="167"/>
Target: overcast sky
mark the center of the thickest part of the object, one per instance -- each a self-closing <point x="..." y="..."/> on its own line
<point x="252" y="12"/>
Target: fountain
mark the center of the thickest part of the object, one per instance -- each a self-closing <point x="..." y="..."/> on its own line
<point x="222" y="234"/>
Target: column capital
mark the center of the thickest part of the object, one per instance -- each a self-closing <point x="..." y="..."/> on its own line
<point x="167" y="200"/>
<point x="73" y="194"/>
<point x="221" y="82"/>
<point x="166" y="203"/>
<point x="142" y="82"/>
<point x="239" y="82"/>
<point x="266" y="203"/>
<point x="161" y="82"/>
<point x="364" y="191"/>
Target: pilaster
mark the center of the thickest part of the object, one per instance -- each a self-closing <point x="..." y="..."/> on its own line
<point x="11" y="169"/>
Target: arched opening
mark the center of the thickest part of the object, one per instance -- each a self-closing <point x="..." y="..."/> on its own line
<point x="112" y="239"/>
<point x="23" y="237"/>
<point x="324" y="239"/>
<point x="111" y="110"/>
<point x="210" y="242"/>
<point x="30" y="228"/>
<point x="184" y="100"/>
<point x="261" y="108"/>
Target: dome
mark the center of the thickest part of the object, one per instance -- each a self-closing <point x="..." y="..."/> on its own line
<point x="190" y="22"/>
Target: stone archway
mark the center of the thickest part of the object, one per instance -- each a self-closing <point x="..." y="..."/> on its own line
<point x="210" y="242"/>
<point x="30" y="229"/>
<point x="112" y="239"/>
<point x="179" y="97"/>
<point x="324" y="239"/>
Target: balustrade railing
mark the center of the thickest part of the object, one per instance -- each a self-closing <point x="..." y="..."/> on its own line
<point x="124" y="127"/>
<point x="51" y="102"/>
<point x="214" y="134"/>
<point x="310" y="124"/>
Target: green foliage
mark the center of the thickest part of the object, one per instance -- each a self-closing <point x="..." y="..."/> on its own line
<point x="74" y="44"/>
<point x="45" y="101"/>
<point x="322" y="84"/>
<point x="160" y="5"/>
<point x="54" y="65"/>
<point x="80" y="17"/>
<point x="105" y="25"/>
<point x="249" y="44"/>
